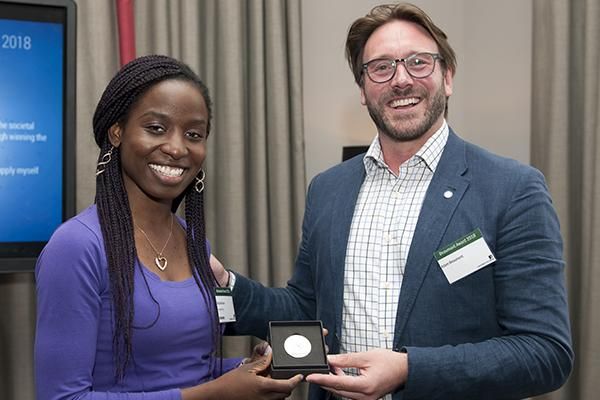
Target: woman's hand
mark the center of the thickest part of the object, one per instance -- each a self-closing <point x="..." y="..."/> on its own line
<point x="250" y="381"/>
<point x="261" y="350"/>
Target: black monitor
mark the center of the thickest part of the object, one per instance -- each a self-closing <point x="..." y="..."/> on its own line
<point x="37" y="126"/>
<point x="350" y="151"/>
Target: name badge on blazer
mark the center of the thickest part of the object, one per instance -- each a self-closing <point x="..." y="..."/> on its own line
<point x="464" y="256"/>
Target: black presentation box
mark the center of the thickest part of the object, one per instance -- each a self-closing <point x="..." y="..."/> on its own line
<point x="298" y="348"/>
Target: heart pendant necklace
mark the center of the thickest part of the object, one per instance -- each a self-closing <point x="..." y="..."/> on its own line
<point x="160" y="260"/>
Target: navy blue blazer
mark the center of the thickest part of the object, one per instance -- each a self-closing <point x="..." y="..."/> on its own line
<point x="501" y="332"/>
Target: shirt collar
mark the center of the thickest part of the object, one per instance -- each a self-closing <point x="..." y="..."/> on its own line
<point x="430" y="153"/>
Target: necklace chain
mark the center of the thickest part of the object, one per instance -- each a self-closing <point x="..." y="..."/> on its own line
<point x="160" y="260"/>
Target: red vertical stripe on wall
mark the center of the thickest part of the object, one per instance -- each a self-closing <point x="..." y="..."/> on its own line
<point x="126" y="30"/>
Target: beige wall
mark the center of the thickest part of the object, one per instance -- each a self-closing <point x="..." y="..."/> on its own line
<point x="492" y="88"/>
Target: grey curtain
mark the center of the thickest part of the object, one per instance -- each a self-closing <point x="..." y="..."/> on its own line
<point x="17" y="324"/>
<point x="566" y="147"/>
<point x="248" y="53"/>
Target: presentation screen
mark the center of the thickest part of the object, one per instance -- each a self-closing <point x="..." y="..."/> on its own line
<point x="37" y="106"/>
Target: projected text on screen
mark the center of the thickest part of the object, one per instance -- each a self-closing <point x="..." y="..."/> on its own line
<point x="31" y="130"/>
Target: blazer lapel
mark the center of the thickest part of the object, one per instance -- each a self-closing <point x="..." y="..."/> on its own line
<point x="434" y="218"/>
<point x="341" y="220"/>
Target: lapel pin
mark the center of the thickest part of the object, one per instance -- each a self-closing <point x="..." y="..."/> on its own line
<point x="448" y="194"/>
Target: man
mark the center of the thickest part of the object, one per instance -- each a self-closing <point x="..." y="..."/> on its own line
<point x="435" y="265"/>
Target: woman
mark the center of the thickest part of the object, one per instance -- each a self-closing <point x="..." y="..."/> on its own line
<point x="126" y="306"/>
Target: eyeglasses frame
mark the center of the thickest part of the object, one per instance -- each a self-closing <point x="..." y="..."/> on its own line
<point x="435" y="56"/>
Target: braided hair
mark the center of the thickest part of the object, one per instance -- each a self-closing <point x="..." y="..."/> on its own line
<point x="114" y="213"/>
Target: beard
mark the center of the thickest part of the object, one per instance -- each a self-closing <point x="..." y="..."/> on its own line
<point x="409" y="131"/>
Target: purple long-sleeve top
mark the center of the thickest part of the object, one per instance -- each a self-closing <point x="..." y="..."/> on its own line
<point x="172" y="338"/>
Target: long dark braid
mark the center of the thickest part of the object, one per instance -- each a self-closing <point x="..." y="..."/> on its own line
<point x="194" y="216"/>
<point x="114" y="212"/>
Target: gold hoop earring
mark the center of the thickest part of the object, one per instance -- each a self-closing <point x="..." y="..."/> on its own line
<point x="199" y="185"/>
<point x="106" y="158"/>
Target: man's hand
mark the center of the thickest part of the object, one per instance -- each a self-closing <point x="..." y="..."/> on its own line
<point x="219" y="271"/>
<point x="380" y="371"/>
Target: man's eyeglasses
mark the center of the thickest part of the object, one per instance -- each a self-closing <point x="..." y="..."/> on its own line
<point x="420" y="65"/>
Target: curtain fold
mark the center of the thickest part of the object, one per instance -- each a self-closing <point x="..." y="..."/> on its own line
<point x="126" y="26"/>
<point x="566" y="147"/>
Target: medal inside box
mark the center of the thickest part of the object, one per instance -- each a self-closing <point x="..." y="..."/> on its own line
<point x="298" y="348"/>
